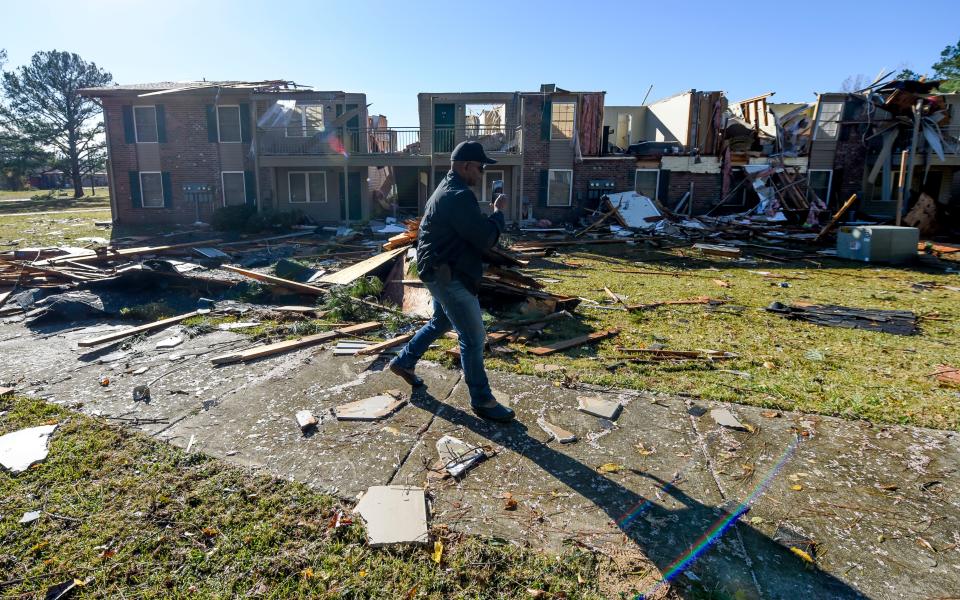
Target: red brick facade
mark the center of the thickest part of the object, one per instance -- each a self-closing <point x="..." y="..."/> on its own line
<point x="188" y="156"/>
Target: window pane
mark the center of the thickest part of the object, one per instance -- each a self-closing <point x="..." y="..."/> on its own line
<point x="562" y="120"/>
<point x="318" y="187"/>
<point x="298" y="187"/>
<point x="818" y="184"/>
<point x="313" y="118"/>
<point x="558" y="188"/>
<point x="234" y="191"/>
<point x="229" y="123"/>
<point x="829" y="120"/>
<point x="145" y="119"/>
<point x="646" y="183"/>
<point x="151" y="186"/>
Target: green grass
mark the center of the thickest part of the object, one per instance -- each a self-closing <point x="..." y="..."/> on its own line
<point x="143" y="519"/>
<point x="54" y="228"/>
<point x="862" y="375"/>
<point x="52" y="200"/>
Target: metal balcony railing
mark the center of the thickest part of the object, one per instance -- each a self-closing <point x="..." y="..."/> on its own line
<point x="306" y="141"/>
<point x="494" y="138"/>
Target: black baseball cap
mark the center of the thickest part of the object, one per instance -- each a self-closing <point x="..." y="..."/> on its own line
<point x="471" y="151"/>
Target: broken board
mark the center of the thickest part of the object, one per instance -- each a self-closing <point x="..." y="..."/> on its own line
<point x="573" y="342"/>
<point x="287" y="346"/>
<point x="370" y="409"/>
<point x="362" y="268"/>
<point x="119" y="335"/>
<point x="277" y="281"/>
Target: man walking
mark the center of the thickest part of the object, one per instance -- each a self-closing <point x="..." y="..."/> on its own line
<point x="453" y="235"/>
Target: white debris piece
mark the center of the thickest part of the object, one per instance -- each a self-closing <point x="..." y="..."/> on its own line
<point x="305" y="420"/>
<point x="726" y="418"/>
<point x="558" y="433"/>
<point x="20" y="449"/>
<point x="370" y="409"/>
<point x="29" y="517"/>
<point x="457" y="456"/>
<point x="170" y="342"/>
<point x="394" y="514"/>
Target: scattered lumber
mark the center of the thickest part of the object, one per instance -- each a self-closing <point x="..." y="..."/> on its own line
<point x="573" y="342"/>
<point x="407" y="238"/>
<point x="836" y="218"/>
<point x="114" y="254"/>
<point x="523" y="246"/>
<point x="492" y="338"/>
<point x="363" y="268"/>
<point x="718" y="250"/>
<point x="119" y="335"/>
<point x="288" y="345"/>
<point x="385" y="345"/>
<point x="296" y="286"/>
<point x="698" y="300"/>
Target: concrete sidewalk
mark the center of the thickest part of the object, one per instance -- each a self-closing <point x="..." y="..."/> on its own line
<point x="876" y="508"/>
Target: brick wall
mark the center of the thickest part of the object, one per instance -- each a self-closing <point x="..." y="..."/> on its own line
<point x="188" y="156"/>
<point x="707" y="189"/>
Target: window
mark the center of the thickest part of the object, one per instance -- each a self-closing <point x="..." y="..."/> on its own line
<point x="818" y="183"/>
<point x="307" y="120"/>
<point x="828" y="121"/>
<point x="145" y="123"/>
<point x="560" y="187"/>
<point x="234" y="188"/>
<point x="307" y="186"/>
<point x="151" y="189"/>
<point x="647" y="182"/>
<point x="228" y="123"/>
<point x="561" y="120"/>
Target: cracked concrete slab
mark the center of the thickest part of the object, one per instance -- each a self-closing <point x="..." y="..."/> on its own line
<point x="879" y="504"/>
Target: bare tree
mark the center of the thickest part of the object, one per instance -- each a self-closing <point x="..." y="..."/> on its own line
<point x="854" y="83"/>
<point x="44" y="104"/>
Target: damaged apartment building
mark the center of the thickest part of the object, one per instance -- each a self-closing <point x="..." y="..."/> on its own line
<point x="179" y="151"/>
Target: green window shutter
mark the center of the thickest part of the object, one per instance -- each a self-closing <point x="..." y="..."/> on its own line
<point x="245" y="123"/>
<point x="128" y="135"/>
<point x="136" y="198"/>
<point x="544" y="182"/>
<point x="545" y="116"/>
<point x="167" y="189"/>
<point x="161" y="124"/>
<point x="212" y="133"/>
<point x="250" y="184"/>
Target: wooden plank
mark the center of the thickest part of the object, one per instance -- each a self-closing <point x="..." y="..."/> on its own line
<point x="6" y="391"/>
<point x="717" y="250"/>
<point x="112" y="254"/>
<point x="354" y="272"/>
<point x="492" y="338"/>
<point x="296" y="286"/>
<point x="385" y="345"/>
<point x="572" y="342"/>
<point x="288" y="345"/>
<point x="839" y="215"/>
<point x="119" y="335"/>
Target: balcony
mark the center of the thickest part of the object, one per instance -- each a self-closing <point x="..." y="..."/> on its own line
<point x="494" y="138"/>
<point x="296" y="141"/>
<point x="397" y="141"/>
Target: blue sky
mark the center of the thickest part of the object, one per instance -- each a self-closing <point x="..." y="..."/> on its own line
<point x="393" y="50"/>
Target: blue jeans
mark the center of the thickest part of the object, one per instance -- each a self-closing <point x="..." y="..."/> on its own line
<point x="454" y="306"/>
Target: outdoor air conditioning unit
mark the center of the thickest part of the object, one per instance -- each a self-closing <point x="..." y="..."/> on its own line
<point x="878" y="243"/>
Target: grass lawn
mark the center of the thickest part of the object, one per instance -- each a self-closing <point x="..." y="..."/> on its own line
<point x="138" y="518"/>
<point x="42" y="200"/>
<point x="782" y="364"/>
<point x="53" y="228"/>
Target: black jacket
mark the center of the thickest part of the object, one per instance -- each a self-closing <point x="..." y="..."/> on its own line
<point x="454" y="234"/>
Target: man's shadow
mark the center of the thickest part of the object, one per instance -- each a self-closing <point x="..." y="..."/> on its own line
<point x="785" y="574"/>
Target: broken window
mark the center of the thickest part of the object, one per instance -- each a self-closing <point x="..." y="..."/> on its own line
<point x="828" y="121"/>
<point x="307" y="186"/>
<point x="818" y="184"/>
<point x="485" y="119"/>
<point x="145" y="123"/>
<point x="151" y="189"/>
<point x="646" y="182"/>
<point x="234" y="188"/>
<point x="307" y="120"/>
<point x="228" y="121"/>
<point x="561" y="120"/>
<point x="560" y="187"/>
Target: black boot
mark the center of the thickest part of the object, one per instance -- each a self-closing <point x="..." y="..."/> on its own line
<point x="406" y="374"/>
